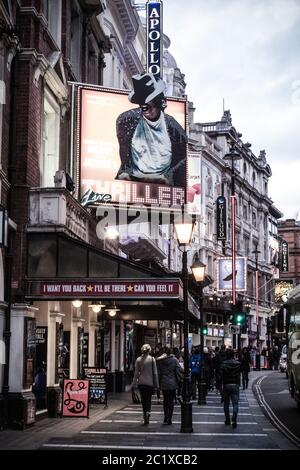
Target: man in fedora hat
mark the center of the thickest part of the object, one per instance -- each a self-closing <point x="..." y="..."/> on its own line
<point x="152" y="143"/>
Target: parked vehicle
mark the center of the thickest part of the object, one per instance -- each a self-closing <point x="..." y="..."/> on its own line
<point x="283" y="364"/>
<point x="293" y="349"/>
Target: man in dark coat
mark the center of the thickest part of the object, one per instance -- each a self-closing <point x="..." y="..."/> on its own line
<point x="169" y="371"/>
<point x="152" y="143"/>
<point x="231" y="379"/>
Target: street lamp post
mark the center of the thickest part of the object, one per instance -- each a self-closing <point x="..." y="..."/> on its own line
<point x="233" y="156"/>
<point x="184" y="235"/>
<point x="257" y="359"/>
<point x="198" y="270"/>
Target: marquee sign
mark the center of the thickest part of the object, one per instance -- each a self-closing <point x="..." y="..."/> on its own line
<point x="108" y="289"/>
<point x="154" y="37"/>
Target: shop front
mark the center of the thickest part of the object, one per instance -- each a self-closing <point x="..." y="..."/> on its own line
<point x="95" y="313"/>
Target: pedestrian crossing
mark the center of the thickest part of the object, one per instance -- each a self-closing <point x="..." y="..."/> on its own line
<point x="123" y="429"/>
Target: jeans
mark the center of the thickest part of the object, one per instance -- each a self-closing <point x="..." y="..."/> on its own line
<point x="231" y="391"/>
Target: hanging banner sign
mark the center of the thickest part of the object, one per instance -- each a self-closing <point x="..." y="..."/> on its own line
<point x="107" y="289"/>
<point x="154" y="38"/>
<point x="76" y="398"/>
<point x="221" y="218"/>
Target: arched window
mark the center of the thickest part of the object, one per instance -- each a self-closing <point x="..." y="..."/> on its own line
<point x="253" y="178"/>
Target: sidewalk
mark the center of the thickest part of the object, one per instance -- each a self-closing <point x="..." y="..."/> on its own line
<point x="33" y="437"/>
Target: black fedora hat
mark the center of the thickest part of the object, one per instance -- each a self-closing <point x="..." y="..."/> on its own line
<point x="145" y="88"/>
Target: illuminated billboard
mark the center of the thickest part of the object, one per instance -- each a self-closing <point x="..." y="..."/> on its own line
<point x="282" y="289"/>
<point x="225" y="274"/>
<point x="111" y="140"/>
<point x="194" y="183"/>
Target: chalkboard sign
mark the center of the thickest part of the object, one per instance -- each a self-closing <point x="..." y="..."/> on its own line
<point x="98" y="384"/>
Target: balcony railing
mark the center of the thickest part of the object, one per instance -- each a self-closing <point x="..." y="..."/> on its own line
<point x="55" y="208"/>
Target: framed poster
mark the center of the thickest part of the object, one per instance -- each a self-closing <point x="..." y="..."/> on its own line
<point x="224" y="275"/>
<point x="76" y="398"/>
<point x="29" y="351"/>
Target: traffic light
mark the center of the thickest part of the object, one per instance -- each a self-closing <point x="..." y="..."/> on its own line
<point x="239" y="318"/>
<point x="204" y="330"/>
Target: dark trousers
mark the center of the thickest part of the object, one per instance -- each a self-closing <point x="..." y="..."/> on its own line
<point x="196" y="378"/>
<point x="231" y="391"/>
<point x="169" y="398"/>
<point x="218" y="382"/>
<point x="245" y="378"/>
<point x="146" y="394"/>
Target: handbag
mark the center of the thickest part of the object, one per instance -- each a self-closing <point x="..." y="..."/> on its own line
<point x="135" y="397"/>
<point x="179" y="375"/>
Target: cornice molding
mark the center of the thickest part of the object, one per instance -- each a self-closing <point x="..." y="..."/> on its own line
<point x="33" y="12"/>
<point x="43" y="68"/>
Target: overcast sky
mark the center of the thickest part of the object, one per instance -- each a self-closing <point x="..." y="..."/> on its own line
<point x="247" y="52"/>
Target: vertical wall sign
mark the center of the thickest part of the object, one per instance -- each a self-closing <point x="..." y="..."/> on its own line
<point x="154" y="38"/>
<point x="284" y="257"/>
<point x="221" y="218"/>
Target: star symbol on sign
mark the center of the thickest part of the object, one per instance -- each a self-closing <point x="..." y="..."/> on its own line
<point x="90" y="288"/>
<point x="129" y="288"/>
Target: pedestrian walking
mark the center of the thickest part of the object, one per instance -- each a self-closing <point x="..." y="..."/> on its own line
<point x="146" y="379"/>
<point x="245" y="360"/>
<point x="195" y="367"/>
<point x="231" y="379"/>
<point x="216" y="363"/>
<point x="158" y="351"/>
<point x="169" y="373"/>
<point x="208" y="367"/>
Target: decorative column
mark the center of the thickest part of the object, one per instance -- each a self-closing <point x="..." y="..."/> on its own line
<point x="122" y="346"/>
<point x="93" y="325"/>
<point x="3" y="360"/>
<point x="21" y="401"/>
<point x="113" y="353"/>
<point x="2" y="343"/>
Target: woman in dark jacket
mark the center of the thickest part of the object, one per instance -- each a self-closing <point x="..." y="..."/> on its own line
<point x="169" y="371"/>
